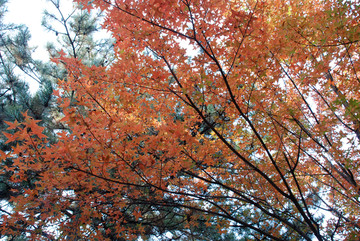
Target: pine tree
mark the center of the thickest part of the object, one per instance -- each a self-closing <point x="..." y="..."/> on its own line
<point x="17" y="64"/>
<point x="75" y="37"/>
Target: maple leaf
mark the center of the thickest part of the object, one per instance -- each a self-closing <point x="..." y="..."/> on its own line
<point x="3" y="155"/>
<point x="35" y="128"/>
<point x="10" y="137"/>
<point x="12" y="125"/>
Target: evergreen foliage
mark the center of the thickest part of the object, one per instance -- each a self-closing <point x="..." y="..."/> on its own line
<point x="73" y="34"/>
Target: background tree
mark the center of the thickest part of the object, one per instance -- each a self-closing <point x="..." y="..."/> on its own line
<point x="18" y="64"/>
<point x="78" y="34"/>
<point x="265" y="138"/>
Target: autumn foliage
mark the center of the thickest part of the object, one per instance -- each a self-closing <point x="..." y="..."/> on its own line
<point x="243" y="116"/>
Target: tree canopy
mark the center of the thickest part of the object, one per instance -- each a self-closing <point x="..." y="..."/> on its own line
<point x="237" y="115"/>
